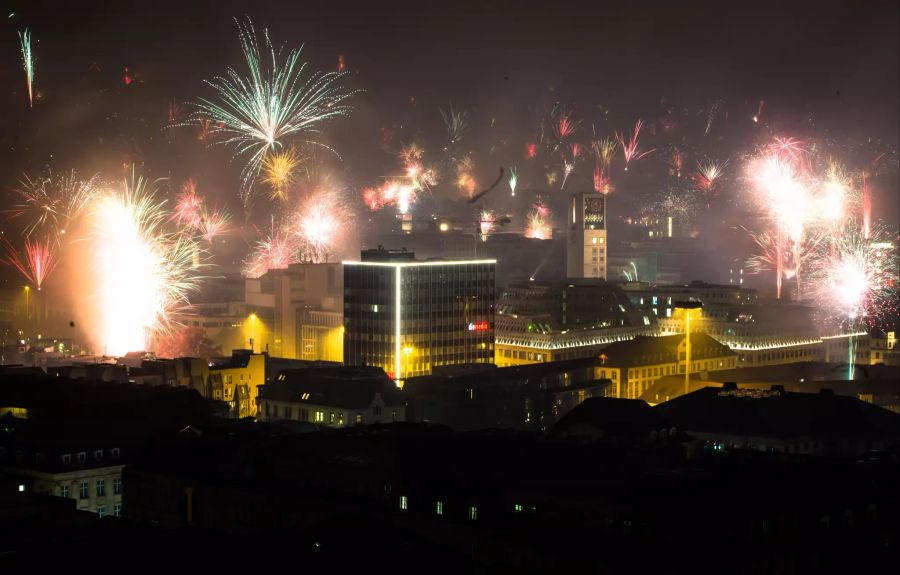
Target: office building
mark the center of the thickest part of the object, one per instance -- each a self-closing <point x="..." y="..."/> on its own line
<point x="408" y="316"/>
<point x="297" y="311"/>
<point x="542" y="322"/>
<point x="586" y="241"/>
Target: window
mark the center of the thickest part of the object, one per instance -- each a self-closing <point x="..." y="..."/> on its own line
<point x="288" y="413"/>
<point x="320" y="416"/>
<point x="101" y="488"/>
<point x="518" y="508"/>
<point x="114" y="452"/>
<point x="117" y="486"/>
<point x="473" y="513"/>
<point x="404" y="502"/>
<point x="101" y="511"/>
<point x="82" y="457"/>
<point x="359" y="419"/>
<point x="83" y="490"/>
<point x="331" y="418"/>
<point x="64" y="491"/>
<point x="439" y="507"/>
<point x="117" y="509"/>
<point x="98" y="455"/>
<point x="394" y="415"/>
<point x="67" y="459"/>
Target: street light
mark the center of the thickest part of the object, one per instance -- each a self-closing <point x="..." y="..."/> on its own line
<point x="688" y="306"/>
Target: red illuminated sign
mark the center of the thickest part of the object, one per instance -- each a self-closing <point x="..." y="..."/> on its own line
<point x="479" y="326"/>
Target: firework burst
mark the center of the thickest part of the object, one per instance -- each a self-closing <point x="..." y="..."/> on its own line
<point x="631" y="149"/>
<point x="38" y="263"/>
<point x="51" y="203"/>
<point x="213" y="223"/>
<point x="143" y="273"/>
<point x="538" y="225"/>
<point x="457" y="124"/>
<point x="188" y="205"/>
<point x="258" y="112"/>
<point x="278" y="172"/>
<point x="708" y="174"/>
<point x="319" y="225"/>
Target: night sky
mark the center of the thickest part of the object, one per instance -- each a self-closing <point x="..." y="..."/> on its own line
<point x="826" y="71"/>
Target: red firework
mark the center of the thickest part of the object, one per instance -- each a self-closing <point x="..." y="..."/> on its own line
<point x="39" y="261"/>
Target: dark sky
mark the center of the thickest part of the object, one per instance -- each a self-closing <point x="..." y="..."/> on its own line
<point x="826" y="70"/>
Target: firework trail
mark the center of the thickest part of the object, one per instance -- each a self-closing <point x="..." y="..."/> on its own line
<point x="54" y="201"/>
<point x="143" y="273"/>
<point x="676" y="162"/>
<point x="256" y="113"/>
<point x="27" y="62"/>
<point x="712" y="115"/>
<point x="513" y="180"/>
<point x="278" y="172"/>
<point x="538" y="224"/>
<point x="457" y="124"/>
<point x="465" y="181"/>
<point x="38" y="263"/>
<point x="631" y="150"/>
<point x="568" y="168"/>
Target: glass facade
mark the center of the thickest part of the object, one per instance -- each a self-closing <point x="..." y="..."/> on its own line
<point x="408" y="317"/>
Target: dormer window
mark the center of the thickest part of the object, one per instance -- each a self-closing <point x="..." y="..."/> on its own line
<point x="114" y="452"/>
<point x="98" y="455"/>
<point x="305" y="396"/>
<point x="67" y="459"/>
<point x="82" y="457"/>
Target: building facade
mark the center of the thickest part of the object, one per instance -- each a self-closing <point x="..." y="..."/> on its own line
<point x="236" y="381"/>
<point x="586" y="241"/>
<point x="408" y="316"/>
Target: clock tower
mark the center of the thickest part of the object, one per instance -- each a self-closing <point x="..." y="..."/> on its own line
<point x="586" y="241"/>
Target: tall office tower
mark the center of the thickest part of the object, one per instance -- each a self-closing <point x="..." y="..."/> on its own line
<point x="409" y="316"/>
<point x="586" y="242"/>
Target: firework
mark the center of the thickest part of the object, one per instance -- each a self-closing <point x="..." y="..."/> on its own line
<point x="564" y="126"/>
<point x="604" y="152"/>
<point x="457" y="124"/>
<point x="213" y="223"/>
<point x="278" y="171"/>
<point x="318" y="226"/>
<point x="52" y="202"/>
<point x="676" y="162"/>
<point x="393" y="192"/>
<point x="188" y="205"/>
<point x="538" y="224"/>
<point x="274" y="252"/>
<point x="631" y="150"/>
<point x="143" y="273"/>
<point x="465" y="181"/>
<point x="27" y="62"/>
<point x="513" y="180"/>
<point x="856" y="278"/>
<point x="38" y="263"/>
<point x="708" y="174"/>
<point x="487" y="221"/>
<point x="256" y="113"/>
<point x="711" y="116"/>
<point x="568" y="168"/>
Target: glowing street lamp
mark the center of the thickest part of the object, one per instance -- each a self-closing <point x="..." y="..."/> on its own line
<point x="688" y="306"/>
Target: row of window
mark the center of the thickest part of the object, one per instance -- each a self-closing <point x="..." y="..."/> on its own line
<point x="84" y="488"/>
<point x="66" y="458"/>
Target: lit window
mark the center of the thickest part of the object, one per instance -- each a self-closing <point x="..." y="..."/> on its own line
<point x="439" y="507"/>
<point x="305" y="396"/>
<point x="473" y="513"/>
<point x="518" y="507"/>
<point x="404" y="502"/>
<point x="21" y="488"/>
<point x="320" y="416"/>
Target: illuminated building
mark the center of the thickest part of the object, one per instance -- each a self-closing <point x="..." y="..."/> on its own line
<point x="885" y="349"/>
<point x="236" y="381"/>
<point x="541" y="322"/>
<point x="408" y="316"/>
<point x="586" y="240"/>
<point x="332" y="397"/>
<point x="90" y="475"/>
<point x="634" y="365"/>
<point x="300" y="309"/>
